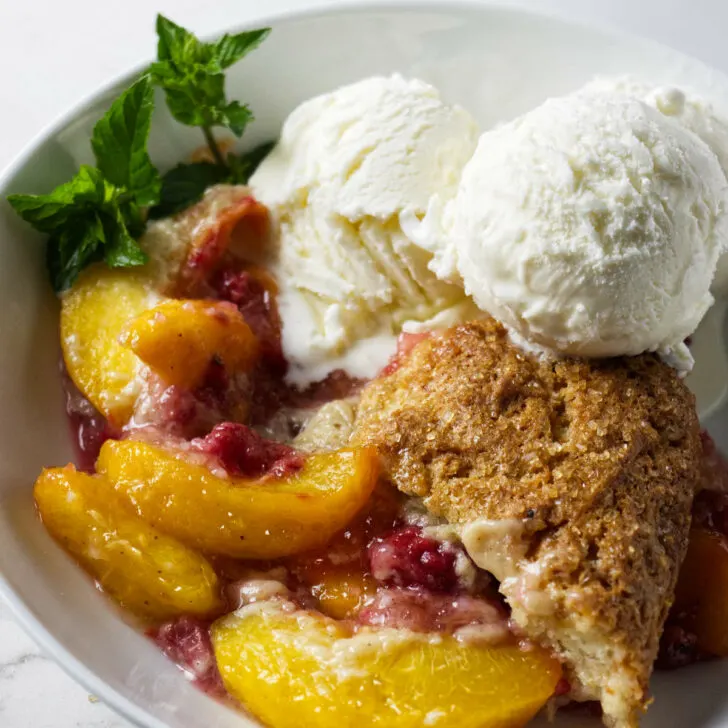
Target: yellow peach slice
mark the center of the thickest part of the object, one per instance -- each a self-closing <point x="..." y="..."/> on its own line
<point x="342" y="592"/>
<point x="246" y="518"/>
<point x="336" y="576"/>
<point x="179" y="339"/>
<point x="294" y="669"/>
<point x="94" y="312"/>
<point x="151" y="574"/>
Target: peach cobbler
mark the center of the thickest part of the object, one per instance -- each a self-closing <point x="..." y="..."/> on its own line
<point x="469" y="537"/>
<point x="385" y="424"/>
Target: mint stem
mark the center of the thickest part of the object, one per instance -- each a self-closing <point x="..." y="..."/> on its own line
<point x="212" y="144"/>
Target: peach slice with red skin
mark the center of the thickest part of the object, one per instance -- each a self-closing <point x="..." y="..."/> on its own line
<point x="179" y="339"/>
<point x="238" y="223"/>
<point x="152" y="575"/>
<point x="188" y="248"/>
<point x="294" y="668"/>
<point x="263" y="518"/>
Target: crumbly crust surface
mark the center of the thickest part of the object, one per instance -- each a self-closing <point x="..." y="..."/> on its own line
<point x="598" y="459"/>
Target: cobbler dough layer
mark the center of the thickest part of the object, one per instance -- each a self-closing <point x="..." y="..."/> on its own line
<point x="597" y="459"/>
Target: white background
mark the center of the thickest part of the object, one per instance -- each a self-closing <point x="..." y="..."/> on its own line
<point x="55" y="52"/>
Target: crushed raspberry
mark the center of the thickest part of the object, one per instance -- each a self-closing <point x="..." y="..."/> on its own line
<point x="215" y="386"/>
<point x="91" y="433"/>
<point x="678" y="648"/>
<point x="258" y="307"/>
<point x="241" y="222"/>
<point x="242" y="451"/>
<point x="405" y="344"/>
<point x="186" y="641"/>
<point x="421" y="611"/>
<point x="177" y="408"/>
<point x="206" y="255"/>
<point x="563" y="687"/>
<point x="89" y="428"/>
<point x="408" y="558"/>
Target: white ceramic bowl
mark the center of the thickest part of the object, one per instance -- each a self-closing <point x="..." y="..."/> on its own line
<point x="495" y="62"/>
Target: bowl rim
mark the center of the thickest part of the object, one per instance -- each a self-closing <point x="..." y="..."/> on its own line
<point x="21" y="611"/>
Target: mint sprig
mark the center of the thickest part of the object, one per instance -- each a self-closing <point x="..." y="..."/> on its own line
<point x="98" y="213"/>
<point x="119" y="141"/>
<point x="191" y="73"/>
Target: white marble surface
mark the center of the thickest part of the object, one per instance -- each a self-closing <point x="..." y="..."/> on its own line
<point x="36" y="693"/>
<point x="55" y="53"/>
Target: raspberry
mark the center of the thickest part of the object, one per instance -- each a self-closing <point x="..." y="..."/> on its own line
<point x="186" y="641"/>
<point x="408" y="558"/>
<point x="242" y="451"/>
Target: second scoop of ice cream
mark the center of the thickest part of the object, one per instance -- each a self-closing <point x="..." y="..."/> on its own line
<point x="591" y="226"/>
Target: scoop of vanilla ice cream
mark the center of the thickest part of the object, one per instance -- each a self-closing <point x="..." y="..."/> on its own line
<point x="591" y="226"/>
<point x="693" y="112"/>
<point x="350" y="166"/>
<point x="684" y="105"/>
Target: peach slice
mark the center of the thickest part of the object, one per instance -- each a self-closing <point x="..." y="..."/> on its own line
<point x="151" y="574"/>
<point x="342" y="593"/>
<point x="338" y="576"/>
<point x="94" y="312"/>
<point x="241" y="517"/>
<point x="179" y="339"/>
<point x="187" y="249"/>
<point x="292" y="669"/>
<point x="702" y="591"/>
<point x="227" y="219"/>
<point x="340" y="590"/>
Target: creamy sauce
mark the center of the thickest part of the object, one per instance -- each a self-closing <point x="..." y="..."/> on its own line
<point x="495" y="545"/>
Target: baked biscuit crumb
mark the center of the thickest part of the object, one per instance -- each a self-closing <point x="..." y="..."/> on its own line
<point x="598" y="459"/>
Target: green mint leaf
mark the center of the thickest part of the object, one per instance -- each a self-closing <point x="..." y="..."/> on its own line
<point x="71" y="249"/>
<point x="184" y="185"/>
<point x="235" y="117"/>
<point x="195" y="93"/>
<point x="121" y="250"/>
<point x="48" y="213"/>
<point x="134" y="216"/>
<point x="231" y="48"/>
<point x="242" y="166"/>
<point x="119" y="142"/>
<point x="87" y="219"/>
<point x="191" y="73"/>
<point x="176" y="44"/>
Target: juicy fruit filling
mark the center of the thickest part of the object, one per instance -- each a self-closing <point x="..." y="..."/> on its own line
<point x="268" y="559"/>
<point x="322" y="672"/>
